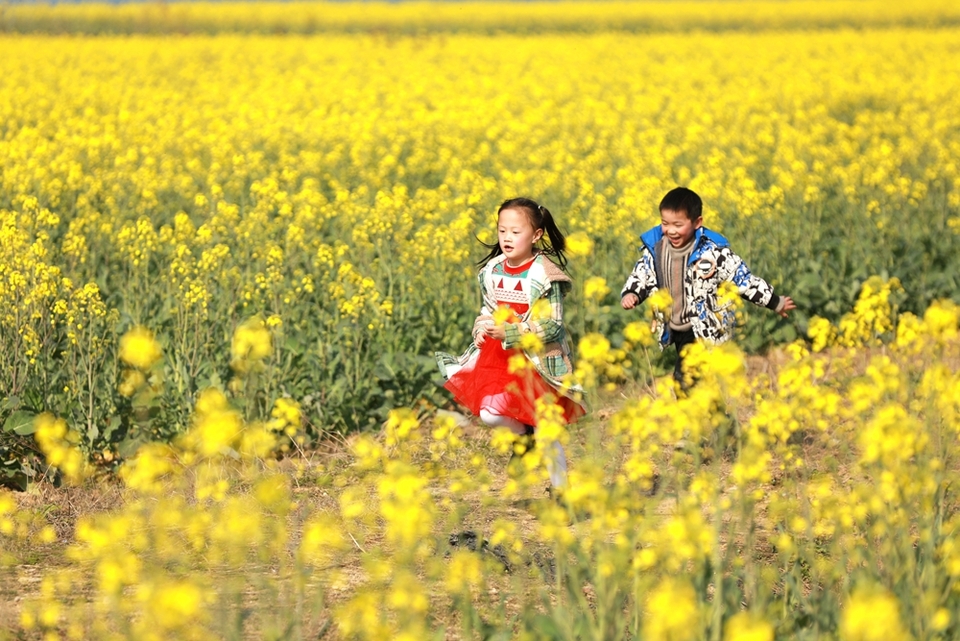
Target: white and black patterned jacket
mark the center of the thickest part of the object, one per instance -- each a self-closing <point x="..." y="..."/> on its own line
<point x="711" y="263"/>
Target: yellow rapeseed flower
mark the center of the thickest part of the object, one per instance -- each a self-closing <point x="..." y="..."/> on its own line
<point x="139" y="348"/>
<point x="531" y="342"/>
<point x="821" y="332"/>
<point x="322" y="541"/>
<point x="639" y="333"/>
<point x="502" y="314"/>
<point x="872" y="615"/>
<point x="579" y="245"/>
<point x="744" y="626"/>
<point x="251" y="344"/>
<point x="285" y="415"/>
<point x="518" y="364"/>
<point x="59" y="447"/>
<point x="464" y="572"/>
<point x="595" y="288"/>
<point x="941" y="319"/>
<point x="672" y="612"/>
<point x="594" y="348"/>
<point x="402" y="425"/>
<point x="541" y="309"/>
<point x="133" y="380"/>
<point x="661" y="301"/>
<point x="273" y="493"/>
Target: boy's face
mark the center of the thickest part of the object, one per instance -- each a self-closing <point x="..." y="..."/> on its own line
<point x="677" y="227"/>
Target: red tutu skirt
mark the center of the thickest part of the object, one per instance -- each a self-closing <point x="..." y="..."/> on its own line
<point x="490" y="376"/>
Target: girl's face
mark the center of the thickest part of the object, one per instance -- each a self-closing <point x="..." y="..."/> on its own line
<point x="517" y="236"/>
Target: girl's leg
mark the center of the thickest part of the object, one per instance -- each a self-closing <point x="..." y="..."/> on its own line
<point x="491" y="418"/>
<point x="556" y="464"/>
<point x="492" y="413"/>
<point x="556" y="457"/>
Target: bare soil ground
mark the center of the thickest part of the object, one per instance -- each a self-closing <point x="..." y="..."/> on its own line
<point x="28" y="561"/>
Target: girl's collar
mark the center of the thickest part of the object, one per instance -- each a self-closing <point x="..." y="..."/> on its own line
<point x="519" y="269"/>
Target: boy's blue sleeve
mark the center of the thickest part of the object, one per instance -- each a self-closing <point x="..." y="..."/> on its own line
<point x="642" y="281"/>
<point x="752" y="288"/>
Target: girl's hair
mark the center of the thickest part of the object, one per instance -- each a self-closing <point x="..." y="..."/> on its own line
<point x="552" y="241"/>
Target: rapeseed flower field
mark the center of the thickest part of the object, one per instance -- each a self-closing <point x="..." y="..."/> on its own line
<point x="230" y="241"/>
<point x="488" y="17"/>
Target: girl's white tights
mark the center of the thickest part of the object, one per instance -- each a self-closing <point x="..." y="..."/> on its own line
<point x="491" y="418"/>
<point x="557" y="465"/>
<point x="490" y="414"/>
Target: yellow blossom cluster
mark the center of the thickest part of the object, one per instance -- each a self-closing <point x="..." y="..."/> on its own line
<point x="215" y="499"/>
<point x="139" y="348"/>
<point x="873" y="314"/>
<point x="679" y="507"/>
<point x="60" y="447"/>
<point x="252" y="343"/>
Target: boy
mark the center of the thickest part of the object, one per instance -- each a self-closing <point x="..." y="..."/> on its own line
<point x="691" y="262"/>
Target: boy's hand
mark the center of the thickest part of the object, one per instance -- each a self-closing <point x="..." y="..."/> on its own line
<point x="788" y="304"/>
<point x="629" y="301"/>
<point x="479" y="338"/>
<point x="496" y="332"/>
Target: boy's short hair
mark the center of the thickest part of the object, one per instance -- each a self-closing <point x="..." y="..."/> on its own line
<point x="685" y="200"/>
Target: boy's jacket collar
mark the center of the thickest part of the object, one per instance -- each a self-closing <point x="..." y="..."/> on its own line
<point x="652" y="236"/>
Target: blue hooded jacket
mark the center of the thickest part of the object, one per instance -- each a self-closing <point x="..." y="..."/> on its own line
<point x="711" y="263"/>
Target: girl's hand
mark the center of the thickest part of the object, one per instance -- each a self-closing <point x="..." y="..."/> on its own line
<point x="629" y="301"/>
<point x="788" y="304"/>
<point x="479" y="338"/>
<point x="496" y="332"/>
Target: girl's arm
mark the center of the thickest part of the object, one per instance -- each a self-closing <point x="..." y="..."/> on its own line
<point x="548" y="327"/>
<point x="481" y="326"/>
<point x="642" y="281"/>
<point x="485" y="319"/>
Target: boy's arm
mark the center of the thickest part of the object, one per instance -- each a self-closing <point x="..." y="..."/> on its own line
<point x="642" y="280"/>
<point x="548" y="327"/>
<point x="731" y="267"/>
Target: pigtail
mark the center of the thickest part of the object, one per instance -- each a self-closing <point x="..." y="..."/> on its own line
<point x="494" y="252"/>
<point x="557" y="243"/>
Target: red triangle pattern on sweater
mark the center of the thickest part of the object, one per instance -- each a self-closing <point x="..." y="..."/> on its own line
<point x="500" y="284"/>
<point x="518" y="288"/>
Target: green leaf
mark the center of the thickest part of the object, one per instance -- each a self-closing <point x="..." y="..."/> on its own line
<point x="789" y="333"/>
<point x="546" y="627"/>
<point x="21" y="423"/>
<point x="129" y="446"/>
<point x="112" y="424"/>
<point x="386" y="369"/>
<point x="11" y="403"/>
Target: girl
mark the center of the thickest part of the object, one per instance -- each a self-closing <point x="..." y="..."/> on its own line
<point x="522" y="293"/>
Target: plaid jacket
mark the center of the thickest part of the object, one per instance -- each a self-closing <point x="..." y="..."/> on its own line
<point x="555" y="362"/>
<point x="711" y="263"/>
